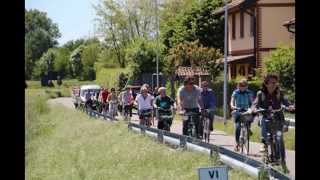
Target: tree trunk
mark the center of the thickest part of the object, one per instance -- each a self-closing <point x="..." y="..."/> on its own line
<point x="172" y="87"/>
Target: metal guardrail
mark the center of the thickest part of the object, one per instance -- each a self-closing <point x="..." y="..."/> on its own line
<point x="196" y="144"/>
<point x="185" y="141"/>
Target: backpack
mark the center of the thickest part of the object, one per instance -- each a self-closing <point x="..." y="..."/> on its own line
<point x="263" y="96"/>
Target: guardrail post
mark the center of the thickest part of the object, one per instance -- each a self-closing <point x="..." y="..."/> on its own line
<point x="143" y="130"/>
<point x="160" y="136"/>
<point x="183" y="141"/>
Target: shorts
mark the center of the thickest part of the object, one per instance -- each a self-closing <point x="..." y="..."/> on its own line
<point x="144" y="111"/>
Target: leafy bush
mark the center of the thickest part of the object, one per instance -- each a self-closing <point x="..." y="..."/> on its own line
<point x="282" y="61"/>
<point x="217" y="87"/>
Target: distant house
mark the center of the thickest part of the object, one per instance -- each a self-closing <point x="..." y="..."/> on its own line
<point x="254" y="28"/>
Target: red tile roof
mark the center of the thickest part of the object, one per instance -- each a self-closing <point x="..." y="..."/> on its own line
<point x="189" y="71"/>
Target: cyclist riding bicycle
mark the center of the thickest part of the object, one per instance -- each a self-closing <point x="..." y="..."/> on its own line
<point x="127" y="100"/>
<point x="113" y="100"/>
<point x="103" y="99"/>
<point x="189" y="100"/>
<point x="241" y="100"/>
<point x="164" y="103"/>
<point x="270" y="97"/>
<point x="209" y="102"/>
<point x="144" y="103"/>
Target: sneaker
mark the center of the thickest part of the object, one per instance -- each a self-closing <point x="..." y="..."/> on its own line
<point x="262" y="149"/>
<point x="236" y="148"/>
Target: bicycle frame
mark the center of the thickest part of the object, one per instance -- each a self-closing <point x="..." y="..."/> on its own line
<point x="165" y="118"/>
<point x="275" y="144"/>
<point x="189" y="116"/>
<point x="146" y="118"/>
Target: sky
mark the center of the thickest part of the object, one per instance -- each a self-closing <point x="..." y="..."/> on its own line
<point x="75" y="18"/>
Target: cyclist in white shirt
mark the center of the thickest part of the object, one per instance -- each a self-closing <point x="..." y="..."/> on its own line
<point x="144" y="103"/>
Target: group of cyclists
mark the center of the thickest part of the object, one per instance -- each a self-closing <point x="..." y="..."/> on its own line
<point x="195" y="100"/>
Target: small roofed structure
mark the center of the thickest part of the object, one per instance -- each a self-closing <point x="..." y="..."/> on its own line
<point x="192" y="71"/>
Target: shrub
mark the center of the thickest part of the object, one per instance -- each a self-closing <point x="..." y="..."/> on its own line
<point x="217" y="87"/>
<point x="282" y="61"/>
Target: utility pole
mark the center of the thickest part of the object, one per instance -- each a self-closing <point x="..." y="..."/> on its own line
<point x="225" y="61"/>
<point x="157" y="52"/>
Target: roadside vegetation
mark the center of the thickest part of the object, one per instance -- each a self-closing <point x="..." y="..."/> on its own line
<point x="66" y="144"/>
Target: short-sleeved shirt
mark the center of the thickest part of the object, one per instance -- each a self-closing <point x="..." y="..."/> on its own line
<point x="190" y="99"/>
<point x="164" y="102"/>
<point x="112" y="97"/>
<point x="243" y="99"/>
<point x="126" y="97"/>
<point x="104" y="95"/>
<point x="208" y="99"/>
<point x="144" y="103"/>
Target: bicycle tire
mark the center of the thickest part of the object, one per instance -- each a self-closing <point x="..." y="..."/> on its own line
<point x="206" y="132"/>
<point x="247" y="142"/>
<point x="242" y="134"/>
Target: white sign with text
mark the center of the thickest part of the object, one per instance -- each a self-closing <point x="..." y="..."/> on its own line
<point x="213" y="173"/>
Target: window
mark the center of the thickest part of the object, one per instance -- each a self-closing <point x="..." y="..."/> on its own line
<point x="242" y="71"/>
<point x="233" y="71"/>
<point x="233" y="26"/>
<point x="241" y="25"/>
<point x="251" y="25"/>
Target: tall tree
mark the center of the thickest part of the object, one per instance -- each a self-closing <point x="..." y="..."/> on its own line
<point x="197" y="22"/>
<point x="123" y="22"/>
<point x="40" y="35"/>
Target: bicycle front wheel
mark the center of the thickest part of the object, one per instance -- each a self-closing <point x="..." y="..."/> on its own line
<point x="247" y="139"/>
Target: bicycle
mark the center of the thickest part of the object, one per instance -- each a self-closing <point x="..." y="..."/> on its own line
<point x="164" y="117"/>
<point x="146" y="117"/>
<point x="191" y="125"/>
<point x="126" y="109"/>
<point x="274" y="146"/>
<point x="113" y="109"/>
<point x="206" y="124"/>
<point x="246" y="118"/>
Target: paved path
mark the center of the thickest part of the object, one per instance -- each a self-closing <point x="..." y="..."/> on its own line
<point x="217" y="137"/>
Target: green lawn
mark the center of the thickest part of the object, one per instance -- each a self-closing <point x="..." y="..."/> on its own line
<point x="289" y="137"/>
<point x="58" y="91"/>
<point x="66" y="144"/>
<point x="108" y="77"/>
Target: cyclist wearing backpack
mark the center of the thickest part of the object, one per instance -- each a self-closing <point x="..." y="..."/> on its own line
<point x="242" y="99"/>
<point x="270" y="97"/>
<point x="209" y="101"/>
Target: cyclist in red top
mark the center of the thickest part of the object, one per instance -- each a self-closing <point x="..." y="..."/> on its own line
<point x="104" y="95"/>
<point x="103" y="99"/>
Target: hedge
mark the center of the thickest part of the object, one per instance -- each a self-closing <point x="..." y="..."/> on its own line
<point x="217" y="87"/>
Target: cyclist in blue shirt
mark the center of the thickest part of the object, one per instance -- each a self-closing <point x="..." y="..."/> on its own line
<point x="209" y="101"/>
<point x="241" y="98"/>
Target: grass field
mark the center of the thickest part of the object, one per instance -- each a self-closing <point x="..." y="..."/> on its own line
<point x="66" y="144"/>
<point x="289" y="137"/>
<point x="108" y="77"/>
